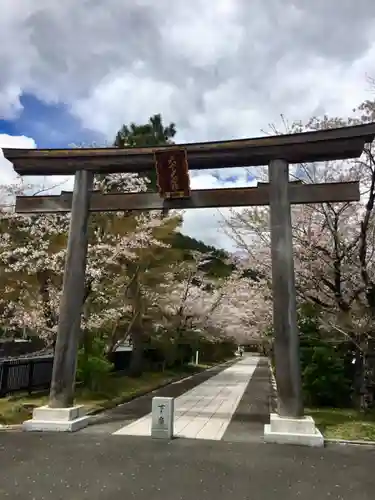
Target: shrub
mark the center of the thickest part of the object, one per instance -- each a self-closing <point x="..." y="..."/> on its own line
<point x="323" y="376"/>
<point x="323" y="365"/>
<point x="93" y="367"/>
<point x="326" y="367"/>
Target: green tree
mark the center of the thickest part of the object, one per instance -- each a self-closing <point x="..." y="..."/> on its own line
<point x="153" y="133"/>
<point x="217" y="263"/>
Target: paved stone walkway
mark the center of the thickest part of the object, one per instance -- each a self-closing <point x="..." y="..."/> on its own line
<point x="110" y="421"/>
<point x="206" y="411"/>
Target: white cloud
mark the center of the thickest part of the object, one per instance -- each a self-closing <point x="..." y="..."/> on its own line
<point x="54" y="184"/>
<point x="219" y="70"/>
<point x="131" y="89"/>
<point x="16" y="141"/>
<point x="205" y="224"/>
<point x="7" y="174"/>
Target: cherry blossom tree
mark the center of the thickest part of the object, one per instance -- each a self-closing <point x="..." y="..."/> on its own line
<point x="244" y="309"/>
<point x="137" y="286"/>
<point x="235" y="307"/>
<point x="32" y="254"/>
<point x="334" y="243"/>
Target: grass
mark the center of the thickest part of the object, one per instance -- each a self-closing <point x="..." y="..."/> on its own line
<point x="118" y="389"/>
<point x="348" y="424"/>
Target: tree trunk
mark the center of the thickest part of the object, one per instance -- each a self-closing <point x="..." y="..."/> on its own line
<point x="136" y="333"/>
<point x="358" y="380"/>
<point x="361" y="382"/>
<point x="137" y="359"/>
<point x="48" y="313"/>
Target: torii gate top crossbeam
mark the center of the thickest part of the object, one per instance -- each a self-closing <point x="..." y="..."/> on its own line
<point x="322" y="145"/>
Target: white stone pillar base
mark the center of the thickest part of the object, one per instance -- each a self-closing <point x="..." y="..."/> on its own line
<point x="57" y="419"/>
<point x="302" y="431"/>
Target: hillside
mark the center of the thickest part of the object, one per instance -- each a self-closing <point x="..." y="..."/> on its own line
<point x="216" y="267"/>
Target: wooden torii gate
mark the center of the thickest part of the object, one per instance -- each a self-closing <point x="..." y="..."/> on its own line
<point x="290" y="424"/>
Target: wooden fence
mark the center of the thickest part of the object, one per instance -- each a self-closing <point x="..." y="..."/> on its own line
<point x="25" y="374"/>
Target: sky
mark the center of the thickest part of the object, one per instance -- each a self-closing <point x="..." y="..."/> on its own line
<point x="74" y="72"/>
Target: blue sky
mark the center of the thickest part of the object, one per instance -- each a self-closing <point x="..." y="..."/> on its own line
<point x="50" y="125"/>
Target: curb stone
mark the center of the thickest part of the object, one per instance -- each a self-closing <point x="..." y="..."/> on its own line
<point x="349" y="442"/>
<point x="119" y="402"/>
<point x="273" y="397"/>
<point x="14" y="427"/>
<point x="96" y="411"/>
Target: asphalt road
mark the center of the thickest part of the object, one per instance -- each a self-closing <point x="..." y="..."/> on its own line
<point x="253" y="411"/>
<point x="80" y="466"/>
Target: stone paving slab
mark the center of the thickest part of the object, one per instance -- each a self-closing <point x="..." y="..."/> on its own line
<point x="112" y="420"/>
<point x="103" y="467"/>
<point x="205" y="411"/>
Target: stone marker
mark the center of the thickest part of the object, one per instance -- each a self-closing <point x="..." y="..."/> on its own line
<point x="162" y="418"/>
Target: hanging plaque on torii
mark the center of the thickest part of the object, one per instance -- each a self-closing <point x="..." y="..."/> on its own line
<point x="172" y="172"/>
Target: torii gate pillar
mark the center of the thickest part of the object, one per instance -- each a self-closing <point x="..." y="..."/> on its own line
<point x="61" y="414"/>
<point x="289" y="425"/>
